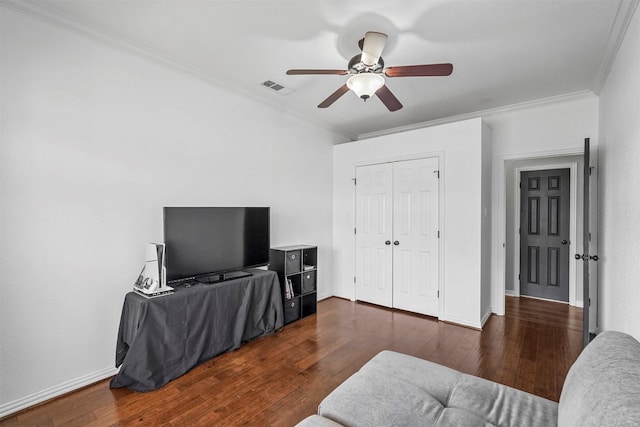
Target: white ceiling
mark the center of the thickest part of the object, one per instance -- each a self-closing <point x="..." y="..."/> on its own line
<point x="503" y="52"/>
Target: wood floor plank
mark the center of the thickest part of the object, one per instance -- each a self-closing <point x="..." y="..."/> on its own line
<point x="280" y="379"/>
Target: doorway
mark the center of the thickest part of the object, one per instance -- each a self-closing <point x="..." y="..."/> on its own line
<point x="508" y="169"/>
<point x="544" y="234"/>
<point x="512" y="255"/>
<point x="397" y="232"/>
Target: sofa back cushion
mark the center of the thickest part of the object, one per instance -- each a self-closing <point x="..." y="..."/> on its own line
<point x="603" y="385"/>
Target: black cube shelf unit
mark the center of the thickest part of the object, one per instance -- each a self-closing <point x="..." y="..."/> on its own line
<point x="298" y="264"/>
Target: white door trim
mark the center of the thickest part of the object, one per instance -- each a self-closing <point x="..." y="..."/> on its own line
<point x="500" y="182"/>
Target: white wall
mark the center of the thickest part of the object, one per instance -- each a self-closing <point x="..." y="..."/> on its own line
<point x="553" y="129"/>
<point x="619" y="161"/>
<point x="487" y="215"/>
<point x="459" y="145"/>
<point x="95" y="142"/>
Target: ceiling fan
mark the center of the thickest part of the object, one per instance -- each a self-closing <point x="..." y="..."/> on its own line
<point x="366" y="70"/>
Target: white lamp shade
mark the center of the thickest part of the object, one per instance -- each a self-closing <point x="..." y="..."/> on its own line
<point x="372" y="47"/>
<point x="365" y="85"/>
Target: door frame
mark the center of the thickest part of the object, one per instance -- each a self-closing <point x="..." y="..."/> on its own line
<point x="441" y="223"/>
<point x="573" y="216"/>
<point x="500" y="221"/>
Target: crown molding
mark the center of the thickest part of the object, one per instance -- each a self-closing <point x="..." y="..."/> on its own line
<point x="39" y="11"/>
<point x="624" y="14"/>
<point x="42" y="12"/>
<point x="484" y="113"/>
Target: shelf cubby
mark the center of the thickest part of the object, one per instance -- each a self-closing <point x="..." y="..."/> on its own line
<point x="299" y="264"/>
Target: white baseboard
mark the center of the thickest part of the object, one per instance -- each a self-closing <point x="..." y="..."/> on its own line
<point x="510" y="292"/>
<point x="461" y="322"/>
<point x="485" y="318"/>
<point x="9" y="408"/>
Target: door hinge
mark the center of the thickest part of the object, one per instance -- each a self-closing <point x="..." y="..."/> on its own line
<point x="589" y="302"/>
<point x="518" y="230"/>
<point x="520" y="184"/>
<point x="518" y="276"/>
<point x="354" y="230"/>
<point x="354" y="279"/>
<point x="438" y="294"/>
<point x="438" y="234"/>
<point x="438" y="173"/>
<point x="354" y="181"/>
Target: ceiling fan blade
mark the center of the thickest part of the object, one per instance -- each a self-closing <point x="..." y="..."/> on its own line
<point x="388" y="99"/>
<point x="334" y="96"/>
<point x="300" y="72"/>
<point x="372" y="47"/>
<point x="419" y="70"/>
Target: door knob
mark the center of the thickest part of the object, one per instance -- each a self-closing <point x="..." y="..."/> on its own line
<point x="388" y="242"/>
<point x="594" y="257"/>
<point x="564" y="242"/>
<point x="578" y="256"/>
<point x="396" y="243"/>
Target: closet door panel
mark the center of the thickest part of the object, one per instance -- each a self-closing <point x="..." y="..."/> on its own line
<point x="415" y="236"/>
<point x="374" y="210"/>
<point x="397" y="208"/>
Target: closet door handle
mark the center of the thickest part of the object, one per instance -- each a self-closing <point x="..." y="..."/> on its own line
<point x="396" y="243"/>
<point x="388" y="242"/>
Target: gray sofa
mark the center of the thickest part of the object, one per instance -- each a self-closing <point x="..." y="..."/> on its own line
<point x="602" y="388"/>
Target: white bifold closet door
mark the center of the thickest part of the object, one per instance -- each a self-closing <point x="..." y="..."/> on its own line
<point x="397" y="235"/>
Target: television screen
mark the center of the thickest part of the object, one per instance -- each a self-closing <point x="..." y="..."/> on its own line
<point x="212" y="240"/>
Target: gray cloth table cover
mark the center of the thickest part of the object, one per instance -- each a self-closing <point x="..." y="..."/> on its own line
<point x="161" y="338"/>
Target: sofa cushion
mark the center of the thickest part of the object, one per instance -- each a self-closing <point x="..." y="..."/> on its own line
<point x="396" y="389"/>
<point x="366" y="399"/>
<point x="432" y="378"/>
<point x="501" y="405"/>
<point x="603" y="385"/>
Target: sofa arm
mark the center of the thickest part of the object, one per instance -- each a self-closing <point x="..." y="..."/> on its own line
<point x="603" y="385"/>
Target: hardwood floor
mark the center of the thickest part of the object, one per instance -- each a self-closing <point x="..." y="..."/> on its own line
<point x="280" y="379"/>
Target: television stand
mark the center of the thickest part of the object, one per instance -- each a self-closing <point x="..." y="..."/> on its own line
<point x="221" y="277"/>
<point x="160" y="339"/>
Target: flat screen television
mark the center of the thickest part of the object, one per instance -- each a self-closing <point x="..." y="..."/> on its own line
<point x="212" y="244"/>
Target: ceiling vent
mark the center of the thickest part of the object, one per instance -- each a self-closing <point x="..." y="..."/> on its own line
<point x="276" y="87"/>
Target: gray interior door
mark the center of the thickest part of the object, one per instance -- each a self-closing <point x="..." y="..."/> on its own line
<point x="544" y="234"/>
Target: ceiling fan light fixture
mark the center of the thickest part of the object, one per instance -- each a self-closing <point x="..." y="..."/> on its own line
<point x="372" y="47"/>
<point x="365" y="85"/>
